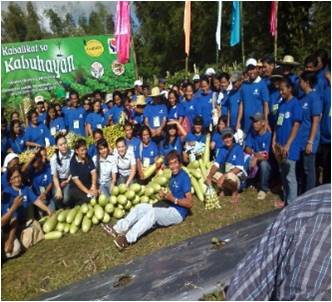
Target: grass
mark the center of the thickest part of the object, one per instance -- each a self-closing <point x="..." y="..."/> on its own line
<point x="56" y="263"/>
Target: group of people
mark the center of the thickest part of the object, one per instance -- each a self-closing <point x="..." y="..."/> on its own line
<point x="266" y="123"/>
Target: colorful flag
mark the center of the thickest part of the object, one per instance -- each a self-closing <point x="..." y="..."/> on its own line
<point x="273" y="18"/>
<point x="186" y="25"/>
<point x="235" y="31"/>
<point x="218" y="31"/>
<point x="123" y="31"/>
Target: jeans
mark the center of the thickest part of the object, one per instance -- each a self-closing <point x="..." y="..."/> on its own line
<point x="326" y="160"/>
<point x="143" y="217"/>
<point x="308" y="171"/>
<point x="105" y="189"/>
<point x="264" y="170"/>
<point x="288" y="177"/>
<point x="65" y="199"/>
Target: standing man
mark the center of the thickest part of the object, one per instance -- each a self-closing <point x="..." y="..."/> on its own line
<point x="40" y="108"/>
<point x="254" y="98"/>
<point x="233" y="100"/>
<point x="268" y="67"/>
<point x="75" y="115"/>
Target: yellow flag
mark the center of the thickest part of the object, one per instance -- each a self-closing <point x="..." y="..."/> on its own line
<point x="186" y="25"/>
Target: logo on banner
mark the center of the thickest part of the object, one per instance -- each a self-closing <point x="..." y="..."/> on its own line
<point x="112" y="45"/>
<point x="94" y="48"/>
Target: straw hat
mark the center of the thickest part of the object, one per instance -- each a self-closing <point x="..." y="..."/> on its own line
<point x="140" y="100"/>
<point x="155" y="91"/>
<point x="288" y="60"/>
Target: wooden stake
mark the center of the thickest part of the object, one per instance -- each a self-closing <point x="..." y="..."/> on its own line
<point x="242" y="35"/>
<point x="187" y="62"/>
<point x="276" y="35"/>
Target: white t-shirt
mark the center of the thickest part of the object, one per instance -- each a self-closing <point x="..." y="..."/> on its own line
<point x="124" y="163"/>
<point x="63" y="170"/>
<point x="107" y="167"/>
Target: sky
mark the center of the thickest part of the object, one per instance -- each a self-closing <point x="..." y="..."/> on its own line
<point x="76" y="8"/>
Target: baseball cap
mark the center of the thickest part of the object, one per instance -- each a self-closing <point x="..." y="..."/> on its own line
<point x="251" y="62"/>
<point x="198" y="120"/>
<point x="196" y="77"/>
<point x="39" y="99"/>
<point x="8" y="159"/>
<point x="258" y="116"/>
<point x="108" y="98"/>
<point x="210" y="71"/>
<point x="227" y="132"/>
<point x="235" y="76"/>
<point x="138" y="83"/>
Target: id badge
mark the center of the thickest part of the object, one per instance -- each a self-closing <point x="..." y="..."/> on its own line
<point x="53" y="131"/>
<point x="99" y="126"/>
<point x="275" y="108"/>
<point x="76" y="124"/>
<point x="156" y="122"/>
<point x="280" y="119"/>
<point x="146" y="162"/>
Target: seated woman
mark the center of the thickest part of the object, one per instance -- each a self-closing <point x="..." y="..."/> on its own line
<point x="175" y="135"/>
<point x="83" y="184"/>
<point x="125" y="162"/>
<point x="60" y="171"/>
<point x="36" y="134"/>
<point x="16" y="140"/>
<point x="172" y="209"/>
<point x="105" y="167"/>
<point x="16" y="188"/>
<point x="228" y="169"/>
<point x="54" y="123"/>
<point x="216" y="140"/>
<point x="148" y="152"/>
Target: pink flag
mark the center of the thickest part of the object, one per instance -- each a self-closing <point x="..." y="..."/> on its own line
<point x="274" y="18"/>
<point x="123" y="31"/>
<point x="187" y="26"/>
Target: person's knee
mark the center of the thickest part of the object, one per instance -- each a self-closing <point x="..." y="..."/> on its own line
<point x="265" y="165"/>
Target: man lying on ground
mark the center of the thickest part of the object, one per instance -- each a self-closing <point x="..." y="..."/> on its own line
<point x="171" y="209"/>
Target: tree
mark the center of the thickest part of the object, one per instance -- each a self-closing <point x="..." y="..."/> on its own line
<point x="13" y="24"/>
<point x="34" y="30"/>
<point x="70" y="28"/>
<point x="56" y="23"/>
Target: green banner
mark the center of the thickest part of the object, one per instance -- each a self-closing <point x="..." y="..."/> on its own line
<point x="52" y="67"/>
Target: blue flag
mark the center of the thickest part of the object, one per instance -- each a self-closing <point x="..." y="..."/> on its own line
<point x="235" y="31"/>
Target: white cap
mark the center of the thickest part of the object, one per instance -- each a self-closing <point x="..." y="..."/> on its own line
<point x="8" y="159"/>
<point x="108" y="97"/>
<point x="210" y="71"/>
<point x="251" y="61"/>
<point x="196" y="77"/>
<point x="138" y="83"/>
<point x="39" y="98"/>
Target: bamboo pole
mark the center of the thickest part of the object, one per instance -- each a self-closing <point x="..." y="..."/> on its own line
<point x="186" y="64"/>
<point x="276" y="35"/>
<point x="242" y="35"/>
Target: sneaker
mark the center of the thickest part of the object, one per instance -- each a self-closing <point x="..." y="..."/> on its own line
<point x="108" y="228"/>
<point x="121" y="242"/>
<point x="261" y="195"/>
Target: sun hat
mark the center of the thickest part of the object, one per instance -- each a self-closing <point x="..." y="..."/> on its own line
<point x="140" y="100"/>
<point x="155" y="91"/>
<point x="288" y="60"/>
<point x="259" y="63"/>
<point x="39" y="99"/>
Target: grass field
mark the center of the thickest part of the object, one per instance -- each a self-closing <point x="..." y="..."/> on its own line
<point x="53" y="264"/>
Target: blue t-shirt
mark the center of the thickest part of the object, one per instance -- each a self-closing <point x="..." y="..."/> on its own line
<point x="175" y="145"/>
<point x="191" y="137"/>
<point x="253" y="96"/>
<point x="75" y="120"/>
<point x="289" y="112"/>
<point x="180" y="185"/>
<point x="311" y="106"/>
<point x="41" y="180"/>
<point x="96" y="120"/>
<point x="9" y="194"/>
<point x="42" y="117"/>
<point x="325" y="123"/>
<point x="189" y="110"/>
<point x="115" y="113"/>
<point x="321" y="82"/>
<point x="232" y="104"/>
<point x="156" y="114"/>
<point x="204" y="106"/>
<point x="257" y="142"/>
<point x="138" y="118"/>
<point x="92" y="150"/>
<point x="175" y="112"/>
<point x="55" y="127"/>
<point x="36" y="134"/>
<point x="147" y="154"/>
<point x="17" y="144"/>
<point x="275" y="100"/>
<point x="134" y="142"/>
<point x="216" y="138"/>
<point x="233" y="156"/>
